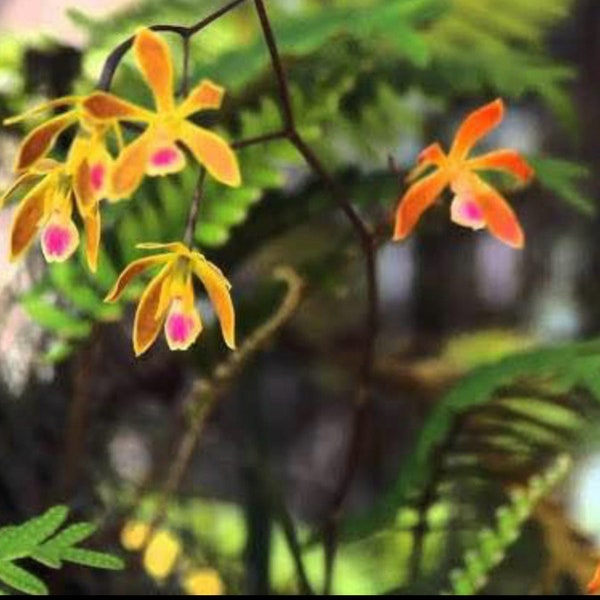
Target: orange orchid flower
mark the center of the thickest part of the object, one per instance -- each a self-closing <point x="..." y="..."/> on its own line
<point x="168" y="299"/>
<point x="476" y="204"/>
<point x="46" y="209"/>
<point x="156" y="152"/>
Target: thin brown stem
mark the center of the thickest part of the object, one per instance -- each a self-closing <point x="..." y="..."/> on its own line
<point x="367" y="240"/>
<point x="192" y="220"/>
<point x="185" y="72"/>
<point x="260" y="139"/>
<point x="117" y="55"/>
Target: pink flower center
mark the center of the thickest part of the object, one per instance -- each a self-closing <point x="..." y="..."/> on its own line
<point x="471" y="211"/>
<point x="97" y="173"/>
<point x="164" y="157"/>
<point x="56" y="240"/>
<point x="180" y="327"/>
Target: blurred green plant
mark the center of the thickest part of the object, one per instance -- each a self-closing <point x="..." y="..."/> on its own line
<point x="42" y="540"/>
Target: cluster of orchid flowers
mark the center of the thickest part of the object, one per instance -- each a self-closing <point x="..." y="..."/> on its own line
<point x="51" y="191"/>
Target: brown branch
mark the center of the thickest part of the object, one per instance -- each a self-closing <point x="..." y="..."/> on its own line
<point x="192" y="219"/>
<point x="368" y="244"/>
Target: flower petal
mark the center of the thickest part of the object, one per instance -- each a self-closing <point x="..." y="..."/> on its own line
<point x="41" y="139"/>
<point x="57" y="102"/>
<point x="132" y="270"/>
<point x="105" y="106"/>
<point x="217" y="288"/>
<point x="93" y="229"/>
<point x="206" y="95"/>
<point x="477" y="124"/>
<point x="417" y="199"/>
<point x="19" y="182"/>
<point x="82" y="188"/>
<point x="498" y="214"/>
<point x="594" y="585"/>
<point x="174" y="247"/>
<point x="60" y="238"/>
<point x="213" y="152"/>
<point x="130" y="166"/>
<point x="147" y="321"/>
<point x="432" y="156"/>
<point x="465" y="211"/>
<point x="182" y="327"/>
<point x="165" y="159"/>
<point x="503" y="160"/>
<point x="154" y="60"/>
<point x="27" y="219"/>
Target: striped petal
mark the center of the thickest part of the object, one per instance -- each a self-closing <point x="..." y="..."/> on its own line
<point x="212" y="152"/>
<point x="148" y="320"/>
<point x="21" y="181"/>
<point x="154" y="60"/>
<point x="41" y="139"/>
<point x="217" y="288"/>
<point x="104" y="106"/>
<point x="60" y="238"/>
<point x="36" y="110"/>
<point x="503" y="160"/>
<point x="478" y="124"/>
<point x="27" y="219"/>
<point x="137" y="267"/>
<point x="417" y="199"/>
<point x="207" y="95"/>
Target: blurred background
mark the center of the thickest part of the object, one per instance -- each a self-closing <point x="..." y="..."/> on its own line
<point x="480" y="438"/>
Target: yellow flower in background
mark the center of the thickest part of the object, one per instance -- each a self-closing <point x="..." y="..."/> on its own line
<point x="156" y="152"/>
<point x="134" y="534"/>
<point x="169" y="297"/>
<point x="203" y="582"/>
<point x="161" y="554"/>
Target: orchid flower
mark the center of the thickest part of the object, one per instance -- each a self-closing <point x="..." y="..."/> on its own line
<point x="155" y="151"/>
<point x="169" y="300"/>
<point x="476" y="204"/>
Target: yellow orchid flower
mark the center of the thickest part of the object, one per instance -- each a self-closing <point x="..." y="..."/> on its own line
<point x="155" y="151"/>
<point x="88" y="152"/>
<point x="46" y="209"/>
<point x="169" y="297"/>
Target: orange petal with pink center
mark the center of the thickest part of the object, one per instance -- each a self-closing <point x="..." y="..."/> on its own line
<point x="499" y="216"/>
<point x="137" y="267"/>
<point x="154" y="60"/>
<point x="213" y="152"/>
<point x="164" y="159"/>
<point x="130" y="166"/>
<point x="93" y="229"/>
<point x="417" y="199"/>
<point x="503" y="160"/>
<point x="182" y="327"/>
<point x="206" y="95"/>
<point x="465" y="211"/>
<point x="217" y="288"/>
<point x="59" y="238"/>
<point x="477" y="125"/>
<point x="105" y="106"/>
<point x="27" y="219"/>
<point x="41" y="139"/>
<point x="148" y="320"/>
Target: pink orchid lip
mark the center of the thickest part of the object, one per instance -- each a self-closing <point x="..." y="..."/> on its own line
<point x="97" y="174"/>
<point x="165" y="157"/>
<point x="57" y="241"/>
<point x="181" y="328"/>
<point x="466" y="211"/>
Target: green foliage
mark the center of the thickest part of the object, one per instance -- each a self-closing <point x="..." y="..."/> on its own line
<point x="42" y="540"/>
<point x="493" y="542"/>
